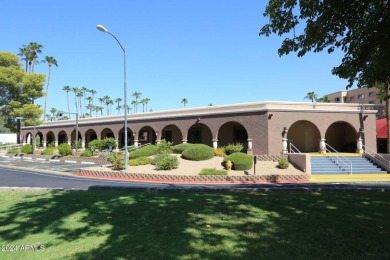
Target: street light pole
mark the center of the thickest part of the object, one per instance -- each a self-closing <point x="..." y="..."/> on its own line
<point x="103" y="29"/>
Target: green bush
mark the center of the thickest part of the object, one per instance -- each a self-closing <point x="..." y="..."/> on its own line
<point x="144" y="151"/>
<point x="49" y="151"/>
<point x="117" y="161"/>
<point x="241" y="161"/>
<point x="198" y="152"/>
<point x="26" y="149"/>
<point x="107" y="142"/>
<point x="179" y="148"/>
<point x="283" y="163"/>
<point x="219" y="152"/>
<point x="97" y="143"/>
<point x="13" y="151"/>
<point x="208" y="171"/>
<point x="167" y="162"/>
<point x="86" y="153"/>
<point x="76" y="144"/>
<point x="140" y="161"/>
<point x="64" y="149"/>
<point x="164" y="147"/>
<point x="233" y="148"/>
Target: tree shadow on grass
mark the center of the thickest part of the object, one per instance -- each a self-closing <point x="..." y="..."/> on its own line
<point x="199" y="225"/>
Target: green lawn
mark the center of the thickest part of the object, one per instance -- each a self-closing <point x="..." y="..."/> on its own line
<point x="195" y="225"/>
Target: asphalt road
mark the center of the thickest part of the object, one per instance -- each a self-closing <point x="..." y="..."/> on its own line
<point x="22" y="173"/>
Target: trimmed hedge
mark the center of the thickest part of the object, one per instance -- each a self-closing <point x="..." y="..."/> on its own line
<point x="140" y="161"/>
<point x="27" y="149"/>
<point x="49" y="151"/>
<point x="213" y="171"/>
<point x="64" y="149"/>
<point x="241" y="161"/>
<point x="167" y="162"/>
<point x="144" y="151"/>
<point x="198" y="152"/>
<point x="179" y="148"/>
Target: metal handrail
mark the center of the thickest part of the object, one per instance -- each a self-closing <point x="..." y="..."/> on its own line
<point x="374" y="155"/>
<point x="292" y="147"/>
<point x="7" y="147"/>
<point x="348" y="163"/>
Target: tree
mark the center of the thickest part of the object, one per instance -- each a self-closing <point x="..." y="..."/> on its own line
<point x="84" y="89"/>
<point x="50" y="61"/>
<point x="324" y="99"/>
<point x="144" y="103"/>
<point x="136" y="95"/>
<point x="25" y="54"/>
<point x="18" y="91"/>
<point x="76" y="92"/>
<point x="93" y="93"/>
<point x="90" y="105"/>
<point x="67" y="89"/>
<point x="35" y="49"/>
<point x="119" y="107"/>
<point x="184" y="101"/>
<point x="312" y="96"/>
<point x="53" y="111"/>
<point x="359" y="28"/>
<point x="107" y="101"/>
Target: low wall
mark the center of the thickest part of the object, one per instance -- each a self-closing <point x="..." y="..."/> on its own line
<point x="301" y="161"/>
<point x="8" y="139"/>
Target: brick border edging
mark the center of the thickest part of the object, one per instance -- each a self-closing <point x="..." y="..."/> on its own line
<point x="197" y="178"/>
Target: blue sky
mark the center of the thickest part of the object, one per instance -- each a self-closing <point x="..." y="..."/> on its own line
<point x="207" y="51"/>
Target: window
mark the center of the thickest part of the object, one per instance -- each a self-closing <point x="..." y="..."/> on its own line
<point x="361" y="96"/>
<point x="337" y="99"/>
<point x="351" y="98"/>
<point x="371" y="94"/>
<point x="371" y="102"/>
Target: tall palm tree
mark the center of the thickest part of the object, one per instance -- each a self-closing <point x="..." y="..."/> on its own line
<point x="90" y="105"/>
<point x="135" y="104"/>
<point x="50" y="61"/>
<point x="184" y="101"/>
<point x="128" y="109"/>
<point x="76" y="90"/>
<point x="110" y="103"/>
<point x="93" y="93"/>
<point x="84" y="89"/>
<point x="53" y="111"/>
<point x="136" y="95"/>
<point x="118" y="100"/>
<point x="107" y="102"/>
<point x="67" y="89"/>
<point x="312" y="96"/>
<point x="101" y="100"/>
<point x="146" y="103"/>
<point x="25" y="53"/>
<point x="35" y="49"/>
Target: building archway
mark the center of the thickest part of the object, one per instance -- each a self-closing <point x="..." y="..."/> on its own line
<point x="50" y="138"/>
<point x="233" y="133"/>
<point x="107" y="133"/>
<point x="90" y="135"/>
<point x="305" y="136"/>
<point x="130" y="138"/>
<point x="39" y="139"/>
<point x="200" y="134"/>
<point x="342" y="137"/>
<point x="146" y="135"/>
<point x="172" y="133"/>
<point x="62" y="137"/>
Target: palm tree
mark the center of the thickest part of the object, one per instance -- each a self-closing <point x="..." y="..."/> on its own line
<point x="50" y="61"/>
<point x="312" y="96"/>
<point x="110" y="103"/>
<point x="128" y="109"/>
<point x="76" y="90"/>
<point x="146" y="103"/>
<point x="107" y="102"/>
<point x="118" y="100"/>
<point x="137" y="95"/>
<point x="101" y="100"/>
<point x="25" y="54"/>
<point x="34" y="48"/>
<point x="324" y="99"/>
<point x="90" y="105"/>
<point x="67" y="89"/>
<point x="135" y="104"/>
<point x="53" y="111"/>
<point x="93" y="93"/>
<point x="143" y="102"/>
<point x="184" y="101"/>
<point x="84" y="89"/>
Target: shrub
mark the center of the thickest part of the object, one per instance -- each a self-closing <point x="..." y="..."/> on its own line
<point x="117" y="161"/>
<point x="208" y="171"/>
<point x="180" y="148"/>
<point x="64" y="149"/>
<point x="157" y="158"/>
<point x="86" y="153"/>
<point x="198" y="152"/>
<point x="144" y="151"/>
<point x="140" y="161"/>
<point x="219" y="152"/>
<point x="49" y="151"/>
<point x="13" y="151"/>
<point x="164" y="147"/>
<point x="241" y="161"/>
<point x="233" y="148"/>
<point x="76" y="144"/>
<point x="167" y="162"/>
<point x="97" y="143"/>
<point x="283" y="163"/>
<point x="27" y="149"/>
<point x="107" y="142"/>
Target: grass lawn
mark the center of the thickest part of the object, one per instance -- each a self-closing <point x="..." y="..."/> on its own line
<point x="195" y="225"/>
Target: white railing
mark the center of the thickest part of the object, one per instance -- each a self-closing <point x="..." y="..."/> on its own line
<point x="7" y="147"/>
<point x="339" y="158"/>
<point x="377" y="158"/>
<point x="293" y="149"/>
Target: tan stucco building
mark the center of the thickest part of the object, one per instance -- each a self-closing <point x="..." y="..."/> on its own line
<point x="262" y="127"/>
